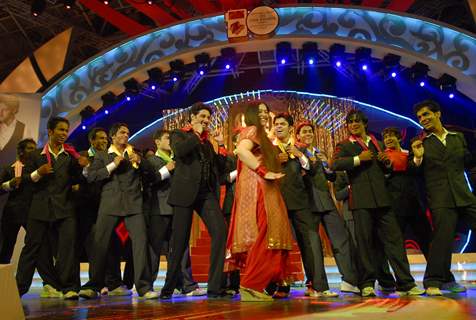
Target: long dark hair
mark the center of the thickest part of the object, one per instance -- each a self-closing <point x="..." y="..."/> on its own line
<point x="268" y="150"/>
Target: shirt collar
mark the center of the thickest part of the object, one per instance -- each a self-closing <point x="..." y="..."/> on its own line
<point x="445" y="133"/>
<point x="353" y="139"/>
<point x="51" y="151"/>
<point x="91" y="152"/>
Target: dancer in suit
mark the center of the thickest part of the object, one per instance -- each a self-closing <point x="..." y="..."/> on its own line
<point x="441" y="157"/>
<point x="325" y="212"/>
<point x="160" y="214"/>
<point x="297" y="197"/>
<point x="194" y="187"/>
<point x="120" y="170"/>
<point x="15" y="216"/>
<point x="362" y="156"/>
<point x="53" y="170"/>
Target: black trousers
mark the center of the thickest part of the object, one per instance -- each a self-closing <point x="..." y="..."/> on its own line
<point x="232" y="278"/>
<point x="207" y="206"/>
<point x="304" y="225"/>
<point x="342" y="244"/>
<point x="380" y="223"/>
<point x="37" y="254"/>
<point x="160" y="231"/>
<point x="114" y="277"/>
<point x="439" y="258"/>
<point x="136" y="227"/>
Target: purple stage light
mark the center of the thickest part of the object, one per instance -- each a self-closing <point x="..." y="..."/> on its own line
<point x="311" y="61"/>
<point x="451" y="95"/>
<point x="283" y="61"/>
<point x="394" y="74"/>
<point x="422" y="83"/>
<point x="227" y="67"/>
<point x="338" y="64"/>
<point x="364" y="67"/>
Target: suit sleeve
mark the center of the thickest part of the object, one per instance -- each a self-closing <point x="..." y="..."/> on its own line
<point x="183" y="144"/>
<point x="469" y="159"/>
<point x="341" y="187"/>
<point x="342" y="160"/>
<point x="97" y="171"/>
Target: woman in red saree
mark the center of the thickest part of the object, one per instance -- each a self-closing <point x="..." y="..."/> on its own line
<point x="260" y="235"/>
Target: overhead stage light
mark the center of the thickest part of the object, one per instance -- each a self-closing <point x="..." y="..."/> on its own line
<point x="108" y="99"/>
<point x="310" y="53"/>
<point x="68" y="4"/>
<point x="202" y="61"/>
<point x="283" y="52"/>
<point x="37" y="7"/>
<point x="447" y="84"/>
<point x="228" y="58"/>
<point x="418" y="73"/>
<point x="363" y="58"/>
<point x="177" y="69"/>
<point x="337" y="55"/>
<point x="392" y="65"/>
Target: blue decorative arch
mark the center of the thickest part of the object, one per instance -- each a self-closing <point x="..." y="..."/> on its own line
<point x="440" y="43"/>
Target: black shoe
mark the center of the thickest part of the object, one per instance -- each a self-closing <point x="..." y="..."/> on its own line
<point x="165" y="296"/>
<point x="219" y="295"/>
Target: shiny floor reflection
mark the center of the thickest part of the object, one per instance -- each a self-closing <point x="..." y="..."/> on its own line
<point x="347" y="306"/>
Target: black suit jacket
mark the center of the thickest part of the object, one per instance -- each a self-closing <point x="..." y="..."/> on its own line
<point x="88" y="196"/>
<point x="52" y="195"/>
<point x="231" y="163"/>
<point x="321" y="197"/>
<point x="156" y="189"/>
<point x="121" y="193"/>
<point x="367" y="181"/>
<point x="187" y="176"/>
<point x="294" y="187"/>
<point x="19" y="200"/>
<point x="443" y="171"/>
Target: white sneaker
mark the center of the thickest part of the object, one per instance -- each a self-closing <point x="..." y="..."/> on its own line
<point x="196" y="293"/>
<point x="120" y="291"/>
<point x="347" y="287"/>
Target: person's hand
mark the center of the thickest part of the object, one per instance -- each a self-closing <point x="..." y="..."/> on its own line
<point x="83" y="161"/>
<point x="383" y="157"/>
<point x="283" y="157"/>
<point x="418" y="149"/>
<point x="118" y="160"/>
<point x="170" y="166"/>
<point x="134" y="157"/>
<point x="322" y="157"/>
<point x="197" y="127"/>
<point x="294" y="151"/>
<point x="218" y="136"/>
<point x="45" y="169"/>
<point x="15" y="182"/>
<point x="273" y="175"/>
<point x="366" y="155"/>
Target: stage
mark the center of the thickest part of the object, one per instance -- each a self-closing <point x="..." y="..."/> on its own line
<point x="347" y="306"/>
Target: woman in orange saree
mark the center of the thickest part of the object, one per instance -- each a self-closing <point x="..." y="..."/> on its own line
<point x="260" y="235"/>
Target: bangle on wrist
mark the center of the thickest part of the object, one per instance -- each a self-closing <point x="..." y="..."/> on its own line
<point x="261" y="170"/>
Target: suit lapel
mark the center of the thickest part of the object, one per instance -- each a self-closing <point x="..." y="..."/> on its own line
<point x="62" y="159"/>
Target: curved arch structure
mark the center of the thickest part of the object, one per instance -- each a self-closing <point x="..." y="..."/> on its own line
<point x="443" y="48"/>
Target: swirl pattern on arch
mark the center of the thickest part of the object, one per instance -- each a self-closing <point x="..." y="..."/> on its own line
<point x="440" y="43"/>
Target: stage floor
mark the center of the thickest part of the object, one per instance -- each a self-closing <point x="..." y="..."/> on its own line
<point x="347" y="306"/>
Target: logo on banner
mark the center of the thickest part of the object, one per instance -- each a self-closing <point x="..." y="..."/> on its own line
<point x="262" y="22"/>
<point x="236" y="24"/>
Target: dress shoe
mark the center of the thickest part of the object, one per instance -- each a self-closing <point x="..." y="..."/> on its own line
<point x="120" y="291"/>
<point x="88" y="294"/>
<point x="433" y="292"/>
<point x="415" y="291"/>
<point x="251" y="295"/>
<point x="71" y="295"/>
<point x="165" y="296"/>
<point x="149" y="295"/>
<point x="368" y="292"/>
<point x="347" y="287"/>
<point x="50" y="292"/>
<point x="196" y="293"/>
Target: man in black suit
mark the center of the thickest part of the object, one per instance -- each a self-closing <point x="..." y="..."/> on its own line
<point x="53" y="170"/>
<point x="324" y="209"/>
<point x="194" y="187"/>
<point x="441" y="158"/>
<point x="297" y="198"/>
<point x="160" y="214"/>
<point x="366" y="164"/>
<point x="15" y="216"/>
<point x="119" y="168"/>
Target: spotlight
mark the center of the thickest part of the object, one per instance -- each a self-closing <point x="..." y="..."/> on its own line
<point x="68" y="4"/>
<point x="87" y="113"/>
<point x="106" y="2"/>
<point x="150" y="2"/>
<point x="447" y="84"/>
<point x="109" y="98"/>
<point x="128" y="98"/>
<point x="422" y="83"/>
<point x="37" y="7"/>
<point x="132" y="85"/>
<point x="153" y="87"/>
<point x="393" y="74"/>
<point x="106" y="111"/>
<point x="177" y="68"/>
<point x="155" y="75"/>
<point x="83" y="127"/>
<point x="310" y="52"/>
<point x="418" y="73"/>
<point x="392" y="64"/>
<point x="363" y="58"/>
<point x="228" y="56"/>
<point x="283" y="52"/>
<point x="337" y="54"/>
<point x="202" y="62"/>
